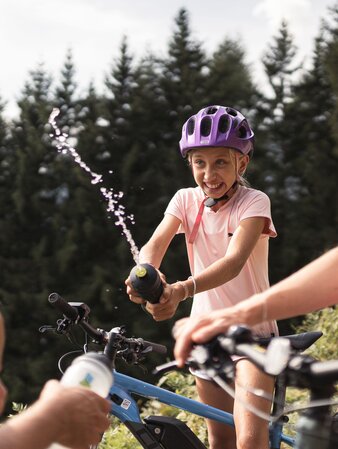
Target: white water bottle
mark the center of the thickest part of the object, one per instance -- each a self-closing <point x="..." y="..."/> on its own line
<point x="91" y="370"/>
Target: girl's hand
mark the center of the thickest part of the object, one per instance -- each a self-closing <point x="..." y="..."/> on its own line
<point x="166" y="308"/>
<point x="133" y="295"/>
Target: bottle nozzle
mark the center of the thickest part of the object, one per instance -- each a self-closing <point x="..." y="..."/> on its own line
<point x="140" y="271"/>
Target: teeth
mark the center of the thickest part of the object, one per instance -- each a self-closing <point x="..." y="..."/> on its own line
<point x="212" y="186"/>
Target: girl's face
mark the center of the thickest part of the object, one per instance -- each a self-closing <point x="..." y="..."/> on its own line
<point x="216" y="169"/>
<point x="3" y="391"/>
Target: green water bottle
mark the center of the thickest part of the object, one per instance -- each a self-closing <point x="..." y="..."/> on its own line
<point x="146" y="282"/>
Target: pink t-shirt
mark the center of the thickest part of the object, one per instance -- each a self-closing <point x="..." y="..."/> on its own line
<point x="212" y="240"/>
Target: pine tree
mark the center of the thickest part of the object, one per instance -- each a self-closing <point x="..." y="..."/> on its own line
<point x="65" y="94"/>
<point x="7" y="175"/>
<point x="119" y="134"/>
<point x="332" y="67"/>
<point x="229" y="81"/>
<point x="280" y="68"/>
<point x="144" y="166"/>
<point x="183" y="74"/>
<point x="311" y="166"/>
<point x="27" y="258"/>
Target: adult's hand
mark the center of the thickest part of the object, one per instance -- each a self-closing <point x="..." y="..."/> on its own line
<point x="200" y="329"/>
<point x="79" y="413"/>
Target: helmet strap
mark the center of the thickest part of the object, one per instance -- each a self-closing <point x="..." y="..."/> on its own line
<point x="210" y="202"/>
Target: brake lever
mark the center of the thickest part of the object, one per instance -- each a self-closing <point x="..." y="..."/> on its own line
<point x="146" y="350"/>
<point x="62" y="326"/>
<point x="172" y="366"/>
<point x="46" y="328"/>
<point x="165" y="367"/>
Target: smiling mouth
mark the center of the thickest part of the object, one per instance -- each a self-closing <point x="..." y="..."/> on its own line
<point x="214" y="189"/>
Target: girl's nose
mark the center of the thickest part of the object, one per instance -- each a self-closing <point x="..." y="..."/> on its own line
<point x="209" y="173"/>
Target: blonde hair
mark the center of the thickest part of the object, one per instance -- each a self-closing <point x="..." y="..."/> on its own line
<point x="235" y="157"/>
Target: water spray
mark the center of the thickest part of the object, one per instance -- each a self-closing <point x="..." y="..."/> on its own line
<point x="112" y="198"/>
<point x="144" y="277"/>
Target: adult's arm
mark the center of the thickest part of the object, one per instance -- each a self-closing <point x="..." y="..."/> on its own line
<point x="311" y="288"/>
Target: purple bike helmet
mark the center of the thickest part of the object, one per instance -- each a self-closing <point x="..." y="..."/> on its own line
<point x="217" y="126"/>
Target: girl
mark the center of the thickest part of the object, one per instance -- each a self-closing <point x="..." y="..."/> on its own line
<point x="227" y="227"/>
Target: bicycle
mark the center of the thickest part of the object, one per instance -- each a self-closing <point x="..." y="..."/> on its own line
<point x="160" y="432"/>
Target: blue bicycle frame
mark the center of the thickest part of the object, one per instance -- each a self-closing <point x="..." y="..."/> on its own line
<point x="126" y="410"/>
<point x="163" y="432"/>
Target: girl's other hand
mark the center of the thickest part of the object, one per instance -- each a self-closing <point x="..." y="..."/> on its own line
<point x="168" y="303"/>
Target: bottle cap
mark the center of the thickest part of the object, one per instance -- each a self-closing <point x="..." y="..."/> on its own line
<point x="140" y="271"/>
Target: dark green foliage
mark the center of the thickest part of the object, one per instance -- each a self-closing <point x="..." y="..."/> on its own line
<point x="229" y="80"/>
<point x="280" y="68"/>
<point x="56" y="233"/>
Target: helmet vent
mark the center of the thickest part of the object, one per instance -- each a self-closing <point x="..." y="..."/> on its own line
<point x="212" y="110"/>
<point x="224" y="124"/>
<point x="191" y="126"/>
<point x="205" y="126"/>
<point x="232" y="112"/>
<point x="242" y="132"/>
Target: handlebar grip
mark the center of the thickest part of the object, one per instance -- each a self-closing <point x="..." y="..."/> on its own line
<point x="61" y="304"/>
<point x="160" y="349"/>
<point x="146" y="282"/>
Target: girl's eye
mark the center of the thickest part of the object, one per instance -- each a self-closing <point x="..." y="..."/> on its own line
<point x="221" y="162"/>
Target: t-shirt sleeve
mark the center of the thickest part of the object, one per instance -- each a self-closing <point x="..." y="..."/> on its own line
<point x="175" y="208"/>
<point x="258" y="204"/>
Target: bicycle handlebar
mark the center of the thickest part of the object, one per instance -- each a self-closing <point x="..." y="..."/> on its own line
<point x="301" y="370"/>
<point x="115" y="341"/>
<point x="62" y="305"/>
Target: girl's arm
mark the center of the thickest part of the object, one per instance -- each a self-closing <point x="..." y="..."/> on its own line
<point x="228" y="267"/>
<point x="156" y="247"/>
<point x="223" y="270"/>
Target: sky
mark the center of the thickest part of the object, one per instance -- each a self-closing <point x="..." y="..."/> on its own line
<point x="42" y="31"/>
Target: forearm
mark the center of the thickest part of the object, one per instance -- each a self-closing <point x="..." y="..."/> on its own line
<point x="220" y="272"/>
<point x="229" y="266"/>
<point x="313" y="287"/>
<point x="32" y="429"/>
<point x="154" y="250"/>
<point x="150" y="253"/>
